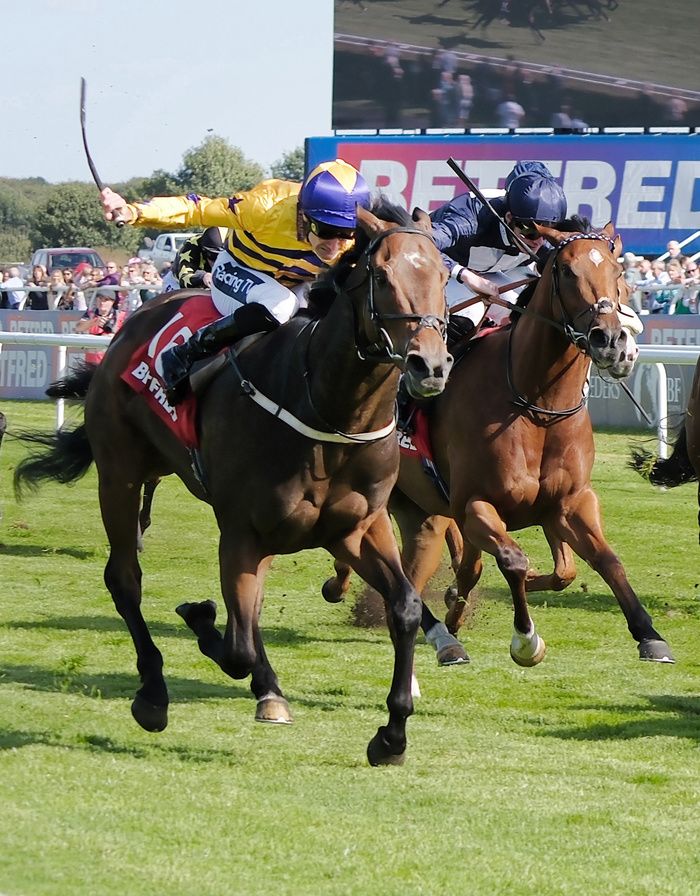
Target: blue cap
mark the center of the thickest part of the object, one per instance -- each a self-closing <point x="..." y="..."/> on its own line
<point x="532" y="194"/>
<point x="332" y="192"/>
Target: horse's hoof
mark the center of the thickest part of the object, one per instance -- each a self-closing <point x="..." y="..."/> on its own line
<point x="331" y="594"/>
<point x="273" y="708"/>
<point x="148" y="715"/>
<point x="451" y="596"/>
<point x="655" y="651"/>
<point x="378" y="752"/>
<point x="192" y="613"/>
<point x="448" y="649"/>
<point x="527" y="650"/>
<point x="454" y="655"/>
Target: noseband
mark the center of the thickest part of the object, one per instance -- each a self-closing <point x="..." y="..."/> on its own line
<point x="373" y="341"/>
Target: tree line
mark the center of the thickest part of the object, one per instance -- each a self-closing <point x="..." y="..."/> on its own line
<point x="35" y="213"/>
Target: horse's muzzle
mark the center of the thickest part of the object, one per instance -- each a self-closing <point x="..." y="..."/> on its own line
<point x="613" y="350"/>
<point x="425" y="374"/>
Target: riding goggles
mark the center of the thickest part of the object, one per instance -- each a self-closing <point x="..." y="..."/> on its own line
<point x="328" y="232"/>
<point x="528" y="229"/>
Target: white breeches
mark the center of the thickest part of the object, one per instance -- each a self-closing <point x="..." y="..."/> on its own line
<point x="234" y="284"/>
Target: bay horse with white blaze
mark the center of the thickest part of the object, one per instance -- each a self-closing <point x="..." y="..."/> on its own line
<point x="513" y="442"/>
<point x="321" y="480"/>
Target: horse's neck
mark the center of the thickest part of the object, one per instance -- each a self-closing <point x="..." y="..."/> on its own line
<point x="352" y="395"/>
<point x="546" y="367"/>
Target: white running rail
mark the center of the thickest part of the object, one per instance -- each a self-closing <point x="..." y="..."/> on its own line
<point x="659" y="355"/>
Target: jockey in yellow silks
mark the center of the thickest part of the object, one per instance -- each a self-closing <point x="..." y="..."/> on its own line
<point x="281" y="235"/>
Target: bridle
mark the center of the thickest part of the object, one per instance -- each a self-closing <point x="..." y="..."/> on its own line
<point x="566" y="324"/>
<point x="371" y="336"/>
<point x="578" y="338"/>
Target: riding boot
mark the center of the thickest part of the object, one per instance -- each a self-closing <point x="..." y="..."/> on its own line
<point x="206" y="342"/>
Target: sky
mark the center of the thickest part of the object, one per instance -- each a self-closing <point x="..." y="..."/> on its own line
<point x="161" y="75"/>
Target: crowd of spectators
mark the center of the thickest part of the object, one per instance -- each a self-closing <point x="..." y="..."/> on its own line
<point x="397" y="87"/>
<point x="78" y="289"/>
<point x="669" y="284"/>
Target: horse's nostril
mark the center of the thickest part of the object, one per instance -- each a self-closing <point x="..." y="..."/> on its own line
<point x="599" y="339"/>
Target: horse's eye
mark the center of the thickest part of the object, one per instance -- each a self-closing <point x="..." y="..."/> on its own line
<point x="380" y="277"/>
<point x="566" y="271"/>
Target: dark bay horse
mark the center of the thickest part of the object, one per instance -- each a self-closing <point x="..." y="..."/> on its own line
<point x="513" y="441"/>
<point x="684" y="463"/>
<point x="322" y="479"/>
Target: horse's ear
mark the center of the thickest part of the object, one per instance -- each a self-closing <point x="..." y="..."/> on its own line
<point x="422" y="218"/>
<point x="609" y="231"/>
<point x="371" y="225"/>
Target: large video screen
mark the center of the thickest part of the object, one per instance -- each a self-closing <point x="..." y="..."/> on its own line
<point x="563" y="64"/>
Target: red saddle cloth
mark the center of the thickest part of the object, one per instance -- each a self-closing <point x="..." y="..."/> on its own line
<point x="417" y="442"/>
<point x="144" y="370"/>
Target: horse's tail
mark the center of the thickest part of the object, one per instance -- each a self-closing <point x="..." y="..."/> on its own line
<point x="670" y="471"/>
<point x="74" y="385"/>
<point x="64" y="456"/>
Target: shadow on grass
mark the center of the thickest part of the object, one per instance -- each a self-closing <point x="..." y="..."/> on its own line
<point x="13" y="740"/>
<point x="274" y="635"/>
<point x="37" y="550"/>
<point x="116" y="685"/>
<point x="677" y="716"/>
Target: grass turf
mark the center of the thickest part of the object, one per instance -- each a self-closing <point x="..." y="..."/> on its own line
<point x="582" y="774"/>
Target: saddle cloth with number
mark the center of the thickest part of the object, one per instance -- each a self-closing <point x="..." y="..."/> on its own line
<point x="143" y="372"/>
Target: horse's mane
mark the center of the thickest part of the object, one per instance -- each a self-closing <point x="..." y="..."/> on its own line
<point x="323" y="289"/>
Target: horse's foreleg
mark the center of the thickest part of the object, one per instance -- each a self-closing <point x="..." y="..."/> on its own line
<point x="119" y="503"/>
<point x="485" y="531"/>
<point x="580" y="525"/>
<point x="375" y="557"/>
<point x="564" y="567"/>
<point x="238" y="651"/>
<point x="422" y="539"/>
<point x="460" y="603"/>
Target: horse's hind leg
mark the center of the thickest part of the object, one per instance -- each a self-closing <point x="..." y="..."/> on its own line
<point x="149" y="490"/>
<point x="119" y="502"/>
<point x="581" y="527"/>
<point x="564" y="567"/>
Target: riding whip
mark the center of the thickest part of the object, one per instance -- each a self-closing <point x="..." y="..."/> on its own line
<point x="472" y="187"/>
<point x="93" y="170"/>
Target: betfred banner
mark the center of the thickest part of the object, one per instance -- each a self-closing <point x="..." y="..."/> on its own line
<point x="27" y="370"/>
<point x="648" y="185"/>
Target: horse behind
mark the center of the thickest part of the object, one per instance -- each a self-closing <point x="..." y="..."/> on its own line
<point x="322" y="479"/>
<point x="513" y="442"/>
<point x="684" y="463"/>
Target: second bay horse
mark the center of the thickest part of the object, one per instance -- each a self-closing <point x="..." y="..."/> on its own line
<point x="513" y="442"/>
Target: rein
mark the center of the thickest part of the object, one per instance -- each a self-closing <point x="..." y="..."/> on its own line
<point x="566" y="325"/>
<point x="379" y="350"/>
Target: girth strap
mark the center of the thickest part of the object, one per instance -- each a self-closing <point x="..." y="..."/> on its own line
<point x="317" y="435"/>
